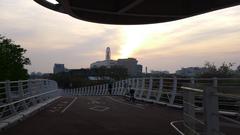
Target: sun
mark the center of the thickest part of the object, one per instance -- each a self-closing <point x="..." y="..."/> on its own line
<point x="133" y="39"/>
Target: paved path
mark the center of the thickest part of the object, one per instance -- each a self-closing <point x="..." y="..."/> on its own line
<point x="98" y="116"/>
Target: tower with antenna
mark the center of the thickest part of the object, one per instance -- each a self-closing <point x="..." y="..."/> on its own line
<point x="108" y="53"/>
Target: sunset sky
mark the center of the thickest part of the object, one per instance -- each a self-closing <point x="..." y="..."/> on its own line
<point x="51" y="37"/>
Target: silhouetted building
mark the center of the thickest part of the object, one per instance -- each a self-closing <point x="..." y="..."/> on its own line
<point x="130" y="64"/>
<point x="105" y="63"/>
<point x="191" y="71"/>
<point x="58" y="68"/>
<point x="160" y="72"/>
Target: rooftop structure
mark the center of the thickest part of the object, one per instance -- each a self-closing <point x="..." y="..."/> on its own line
<point x="58" y="68"/>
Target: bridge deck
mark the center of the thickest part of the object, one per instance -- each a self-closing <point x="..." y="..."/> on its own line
<point x="98" y="115"/>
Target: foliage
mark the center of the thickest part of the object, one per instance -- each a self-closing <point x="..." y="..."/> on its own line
<point x="80" y="77"/>
<point x="12" y="60"/>
<point x="224" y="71"/>
<point x="238" y="68"/>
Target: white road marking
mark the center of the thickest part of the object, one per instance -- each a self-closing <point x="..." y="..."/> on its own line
<point x="179" y="131"/>
<point x="99" y="108"/>
<point x="69" y="105"/>
<point x="139" y="107"/>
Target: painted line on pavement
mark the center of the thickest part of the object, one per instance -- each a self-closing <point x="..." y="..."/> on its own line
<point x="69" y="105"/>
<point x="178" y="130"/>
<point x="139" y="107"/>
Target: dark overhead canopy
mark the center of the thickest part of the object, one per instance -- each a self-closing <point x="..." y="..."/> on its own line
<point x="135" y="11"/>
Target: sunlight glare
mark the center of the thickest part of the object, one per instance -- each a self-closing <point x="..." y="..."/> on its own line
<point x="134" y="37"/>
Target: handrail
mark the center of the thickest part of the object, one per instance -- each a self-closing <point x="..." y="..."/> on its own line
<point x="28" y="98"/>
<point x="193" y="89"/>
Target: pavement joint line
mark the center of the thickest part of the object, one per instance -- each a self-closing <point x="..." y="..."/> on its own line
<point x="178" y="130"/>
<point x="69" y="105"/>
<point x="139" y="107"/>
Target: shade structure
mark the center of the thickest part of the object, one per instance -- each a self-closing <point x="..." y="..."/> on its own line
<point x="135" y="11"/>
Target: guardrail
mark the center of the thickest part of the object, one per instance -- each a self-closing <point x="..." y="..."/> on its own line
<point x="205" y="118"/>
<point x="19" y="96"/>
<point x="160" y="90"/>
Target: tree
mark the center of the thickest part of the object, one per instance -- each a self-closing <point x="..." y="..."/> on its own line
<point x="211" y="70"/>
<point x="238" y="68"/>
<point x="12" y="60"/>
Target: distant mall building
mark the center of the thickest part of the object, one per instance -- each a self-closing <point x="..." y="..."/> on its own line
<point x="191" y="71"/>
<point x="130" y="64"/>
<point x="58" y="68"/>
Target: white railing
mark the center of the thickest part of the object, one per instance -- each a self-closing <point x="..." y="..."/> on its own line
<point x="205" y="118"/>
<point x="19" y="96"/>
<point x="159" y="90"/>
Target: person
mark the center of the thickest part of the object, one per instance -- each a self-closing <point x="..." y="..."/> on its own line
<point x="110" y="88"/>
<point x="132" y="91"/>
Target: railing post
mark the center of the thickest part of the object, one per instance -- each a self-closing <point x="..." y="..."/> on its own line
<point x="192" y="80"/>
<point x="101" y="90"/>
<point x="174" y="91"/>
<point x="132" y="84"/>
<point x="81" y="91"/>
<point x="160" y="90"/>
<point x="215" y="82"/>
<point x="97" y="90"/>
<point x="90" y="91"/>
<point x="210" y="102"/>
<point x="94" y="90"/>
<point x="150" y="88"/>
<point x="117" y="88"/>
<point x="30" y="87"/>
<point x="143" y="88"/>
<point x="84" y="91"/>
<point x="122" y="87"/>
<point x="189" y="111"/>
<point x="137" y="88"/>
<point x="113" y="88"/>
<point x="8" y="91"/>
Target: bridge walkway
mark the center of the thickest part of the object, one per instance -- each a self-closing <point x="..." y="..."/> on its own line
<point x="102" y="115"/>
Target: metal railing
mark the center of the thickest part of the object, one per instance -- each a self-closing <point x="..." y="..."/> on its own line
<point x="205" y="118"/>
<point x="161" y="90"/>
<point x="19" y="96"/>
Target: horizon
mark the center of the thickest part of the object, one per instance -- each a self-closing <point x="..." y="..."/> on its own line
<point x="164" y="46"/>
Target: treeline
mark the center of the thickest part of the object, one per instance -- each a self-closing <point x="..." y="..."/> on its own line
<point x="86" y="77"/>
<point x="223" y="71"/>
<point x="12" y="61"/>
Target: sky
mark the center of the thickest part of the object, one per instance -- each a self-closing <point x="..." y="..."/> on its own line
<point x="51" y="37"/>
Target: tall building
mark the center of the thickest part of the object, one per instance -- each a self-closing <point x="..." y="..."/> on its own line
<point x="105" y="63"/>
<point x="58" y="68"/>
<point x="130" y="64"/>
<point x="108" y="54"/>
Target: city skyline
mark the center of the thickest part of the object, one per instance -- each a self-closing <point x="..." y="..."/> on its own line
<point x="51" y="38"/>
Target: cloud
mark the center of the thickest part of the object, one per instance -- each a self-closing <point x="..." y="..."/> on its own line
<point x="51" y="37"/>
